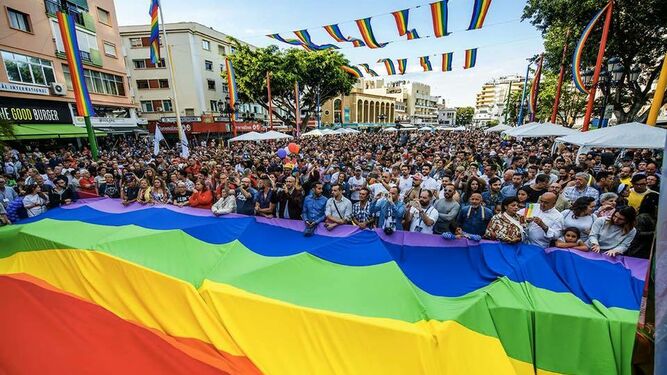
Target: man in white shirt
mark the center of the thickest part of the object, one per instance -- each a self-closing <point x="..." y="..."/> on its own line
<point x="429" y="182"/>
<point x="545" y="223"/>
<point x="355" y="183"/>
<point x="382" y="186"/>
<point x="338" y="209"/>
<point x="404" y="181"/>
<point x="422" y="215"/>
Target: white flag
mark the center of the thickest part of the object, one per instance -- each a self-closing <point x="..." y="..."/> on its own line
<point x="157" y="139"/>
<point x="185" y="150"/>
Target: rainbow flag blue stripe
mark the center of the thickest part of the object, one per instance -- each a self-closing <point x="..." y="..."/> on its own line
<point x="470" y="59"/>
<point x="579" y="50"/>
<point x="304" y="37"/>
<point x="154" y="39"/>
<point x="479" y="10"/>
<point x="439" y="18"/>
<point x="412" y="34"/>
<point x="293" y="42"/>
<point x="402" y="64"/>
<point x="389" y="65"/>
<point x="425" y="62"/>
<point x="231" y="85"/>
<point x="366" y="31"/>
<point x="368" y="70"/>
<point x="338" y="36"/>
<point x="401" y="18"/>
<point x="447" y="61"/>
<point x="84" y="106"/>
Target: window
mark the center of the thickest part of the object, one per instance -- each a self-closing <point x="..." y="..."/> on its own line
<point x="205" y="44"/>
<point x="166" y="106"/>
<point x="222" y="51"/>
<point x="27" y="69"/>
<point x="110" y="49"/>
<point x="214" y="106"/>
<point x="139" y="64"/>
<point x="136" y="42"/>
<point x="211" y="84"/>
<point x="147" y="84"/>
<point x="163" y="83"/>
<point x="142" y="84"/>
<point x="104" y="16"/>
<point x="222" y="68"/>
<point x="189" y="111"/>
<point x="208" y="65"/>
<point x="99" y="82"/>
<point x="146" y="106"/>
<point x="19" y="20"/>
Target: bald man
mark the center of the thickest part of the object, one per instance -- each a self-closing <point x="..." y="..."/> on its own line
<point x="544" y="221"/>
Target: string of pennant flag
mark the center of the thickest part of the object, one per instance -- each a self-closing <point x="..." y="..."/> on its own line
<point x="368" y="39"/>
<point x="469" y="61"/>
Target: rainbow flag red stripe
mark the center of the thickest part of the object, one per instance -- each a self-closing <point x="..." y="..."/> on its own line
<point x="534" y="89"/>
<point x="231" y="85"/>
<point x="368" y="70"/>
<point x="425" y="62"/>
<point x="304" y="37"/>
<point x="401" y="17"/>
<point x="402" y="64"/>
<point x="439" y="17"/>
<point x="84" y="106"/>
<point x="294" y="42"/>
<point x="154" y="39"/>
<point x="353" y="70"/>
<point x="479" y="10"/>
<point x="470" y="59"/>
<point x="447" y="61"/>
<point x="366" y="31"/>
<point x="337" y="35"/>
<point x="579" y="50"/>
<point x="412" y="34"/>
<point x="389" y="65"/>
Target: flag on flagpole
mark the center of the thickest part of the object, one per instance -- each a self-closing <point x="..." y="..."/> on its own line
<point x="297" y="109"/>
<point x="154" y="39"/>
<point x="185" y="150"/>
<point x="157" y="139"/>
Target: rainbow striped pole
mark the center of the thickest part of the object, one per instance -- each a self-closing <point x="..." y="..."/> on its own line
<point x="519" y="121"/>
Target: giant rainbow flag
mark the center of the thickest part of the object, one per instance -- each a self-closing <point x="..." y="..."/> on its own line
<point x="101" y="288"/>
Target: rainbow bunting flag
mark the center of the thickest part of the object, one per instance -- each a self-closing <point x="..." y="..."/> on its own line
<point x="530" y="209"/>
<point x="389" y="65"/>
<point x="425" y="62"/>
<point x="294" y="42"/>
<point x="338" y="36"/>
<point x="402" y="64"/>
<point x="470" y="58"/>
<point x="353" y="70"/>
<point x="304" y="37"/>
<point x="412" y="34"/>
<point x="439" y="18"/>
<point x="366" y="31"/>
<point x="479" y="9"/>
<point x="368" y="70"/>
<point x="175" y="290"/>
<point x="154" y="39"/>
<point x="535" y="88"/>
<point x="447" y="61"/>
<point x="84" y="106"/>
<point x="231" y="85"/>
<point x="401" y="17"/>
<point x="579" y="50"/>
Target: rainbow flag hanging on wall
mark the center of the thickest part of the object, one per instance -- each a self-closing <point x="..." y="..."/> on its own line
<point x="389" y="65"/>
<point x="231" y="86"/>
<point x="368" y="70"/>
<point x="470" y="58"/>
<point x="402" y="65"/>
<point x="579" y="51"/>
<point x="154" y="39"/>
<point x="425" y="62"/>
<point x="353" y="70"/>
<point x="447" y="61"/>
<point x="366" y="31"/>
<point x="338" y="36"/>
<point x="84" y="106"/>
<point x="479" y="10"/>
<point x="439" y="18"/>
<point x="179" y="291"/>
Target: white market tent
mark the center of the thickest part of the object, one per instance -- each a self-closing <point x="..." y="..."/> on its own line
<point x="498" y="128"/>
<point x="252" y="136"/>
<point x="389" y="129"/>
<point x="272" y="134"/>
<point x="459" y="129"/>
<point x="328" y="132"/>
<point x="517" y="129"/>
<point x="425" y="129"/>
<point x="546" y="129"/>
<point x="352" y="131"/>
<point x="313" y="133"/>
<point x="629" y="135"/>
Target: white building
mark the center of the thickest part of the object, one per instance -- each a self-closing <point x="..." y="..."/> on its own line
<point x="492" y="99"/>
<point x="414" y="102"/>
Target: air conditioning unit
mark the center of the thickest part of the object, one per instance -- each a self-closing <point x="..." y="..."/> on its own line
<point x="58" y="89"/>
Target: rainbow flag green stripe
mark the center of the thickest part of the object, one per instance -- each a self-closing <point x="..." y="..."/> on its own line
<point x="366" y="31"/>
<point x="479" y="10"/>
<point x="67" y="27"/>
<point x="439" y="18"/>
<point x="447" y="61"/>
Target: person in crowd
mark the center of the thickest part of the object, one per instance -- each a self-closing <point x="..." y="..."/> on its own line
<point x="473" y="217"/>
<point x="201" y="197"/>
<point x="581" y="188"/>
<point x="414" y="193"/>
<point x="289" y="200"/>
<point x="129" y="192"/>
<point x="448" y="209"/>
<point x="613" y="235"/>
<point x="405" y="182"/>
<point x="474" y="185"/>
<point x="653" y="182"/>
<point x="522" y="196"/>
<point x="265" y="203"/>
<point x="607" y="205"/>
<point x="455" y="232"/>
<point x="580" y="216"/>
<point x="507" y="226"/>
<point x="245" y="197"/>
<point x="61" y="194"/>
<point x="181" y="195"/>
<point x="226" y="204"/>
<point x="512" y="189"/>
<point x="429" y="182"/>
<point x="571" y="239"/>
<point x="7" y="193"/>
<point x="603" y="183"/>
<point x="537" y="188"/>
<point x="561" y="202"/>
<point x="87" y="186"/>
<point x="109" y="188"/>
<point x="638" y="191"/>
<point x="314" y="209"/>
<point x="356" y="182"/>
<point x="144" y="196"/>
<point x="35" y="201"/>
<point x="338" y="209"/>
<point x="159" y="193"/>
<point x="545" y="223"/>
<point x="493" y="195"/>
<point x="389" y="210"/>
<point x="421" y="215"/>
<point x="361" y="211"/>
<point x="623" y="192"/>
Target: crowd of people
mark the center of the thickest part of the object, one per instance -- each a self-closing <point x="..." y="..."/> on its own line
<point x="457" y="185"/>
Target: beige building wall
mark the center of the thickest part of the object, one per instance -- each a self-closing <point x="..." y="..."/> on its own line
<point x="359" y="107"/>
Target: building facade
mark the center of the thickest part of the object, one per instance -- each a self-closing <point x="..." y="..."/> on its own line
<point x="492" y="99"/>
<point x="446" y="116"/>
<point x="414" y="102"/>
<point x="35" y="84"/>
<point x="359" y="107"/>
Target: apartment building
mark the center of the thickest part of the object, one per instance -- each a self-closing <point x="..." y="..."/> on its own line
<point x="446" y="115"/>
<point x="414" y="102"/>
<point x="492" y="99"/>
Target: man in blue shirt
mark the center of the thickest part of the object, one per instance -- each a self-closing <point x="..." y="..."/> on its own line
<point x="473" y="217"/>
<point x="510" y="190"/>
<point x="389" y="211"/>
<point x="314" y="209"/>
<point x="493" y="196"/>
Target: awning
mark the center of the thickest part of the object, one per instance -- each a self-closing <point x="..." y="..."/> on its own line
<point x="44" y="131"/>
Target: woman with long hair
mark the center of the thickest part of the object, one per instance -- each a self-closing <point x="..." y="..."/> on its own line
<point x="35" y="200"/>
<point x="201" y="197"/>
<point x="144" y="196"/>
<point x="159" y="193"/>
<point x="522" y="196"/>
<point x="613" y="235"/>
<point x="474" y="185"/>
<point x="506" y="226"/>
<point x="580" y="216"/>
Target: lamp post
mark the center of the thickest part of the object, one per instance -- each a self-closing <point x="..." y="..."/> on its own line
<point x="610" y="77"/>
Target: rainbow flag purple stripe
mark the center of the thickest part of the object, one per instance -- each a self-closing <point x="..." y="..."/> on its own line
<point x="447" y="61"/>
<point x="479" y="10"/>
<point x="154" y="39"/>
<point x="366" y="31"/>
<point x="579" y="50"/>
<point x="84" y="106"/>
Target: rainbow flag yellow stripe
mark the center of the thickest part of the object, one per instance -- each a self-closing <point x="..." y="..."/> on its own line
<point x="470" y="59"/>
<point x="479" y="10"/>
<point x="84" y="106"/>
<point x="402" y="64"/>
<point x="335" y="32"/>
<point x="353" y="70"/>
<point x="154" y="40"/>
<point x="366" y="31"/>
<point x="439" y="17"/>
<point x="412" y="34"/>
<point x="401" y="18"/>
<point x="231" y="85"/>
<point x="389" y="65"/>
<point x="425" y="62"/>
<point x="579" y="50"/>
<point x="447" y="61"/>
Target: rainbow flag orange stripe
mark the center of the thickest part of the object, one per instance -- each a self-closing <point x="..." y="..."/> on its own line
<point x="470" y="59"/>
<point x="337" y="35"/>
<point x="529" y="210"/>
<point x="479" y="10"/>
<point x="401" y="17"/>
<point x="447" y="61"/>
<point x="402" y="64"/>
<point x="368" y="70"/>
<point x="425" y="62"/>
<point x="231" y="85"/>
<point x="366" y="31"/>
<point x="353" y="70"/>
<point x="412" y="34"/>
<point x="439" y="17"/>
<point x="294" y="42"/>
<point x="389" y="65"/>
<point x="304" y="37"/>
<point x="84" y="106"/>
<point x="579" y="50"/>
<point x="154" y="40"/>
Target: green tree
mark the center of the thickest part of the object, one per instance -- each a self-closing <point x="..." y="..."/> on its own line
<point x="6" y="130"/>
<point x="314" y="71"/>
<point x="636" y="37"/>
<point x="464" y="115"/>
<point x="493" y="122"/>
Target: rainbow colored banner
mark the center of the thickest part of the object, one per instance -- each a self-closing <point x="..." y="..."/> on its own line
<point x="389" y="65"/>
<point x="154" y="39"/>
<point x="425" y="63"/>
<point x="353" y="70"/>
<point x="534" y="89"/>
<point x="84" y="106"/>
<point x="579" y="51"/>
<point x="470" y="58"/>
<point x="439" y="18"/>
<point x="293" y="42"/>
<point x="338" y="36"/>
<point x="368" y="70"/>
<point x="412" y="34"/>
<point x="479" y="10"/>
<point x="401" y="18"/>
<point x="231" y="86"/>
<point x="304" y="37"/>
<point x="402" y="65"/>
<point x="366" y="31"/>
<point x="168" y="290"/>
<point x="447" y="61"/>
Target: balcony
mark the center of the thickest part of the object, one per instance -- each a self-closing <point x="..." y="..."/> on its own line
<point x="77" y="9"/>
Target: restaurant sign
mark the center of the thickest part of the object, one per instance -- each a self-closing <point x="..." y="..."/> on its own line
<point x="34" y="111"/>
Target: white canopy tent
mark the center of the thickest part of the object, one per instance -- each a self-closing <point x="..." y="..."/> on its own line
<point x="328" y="131"/>
<point x="313" y="133"/>
<point x="252" y="136"/>
<point x="390" y="129"/>
<point x="498" y="128"/>
<point x="629" y="135"/>
<point x="272" y="134"/>
<point x="425" y="129"/>
<point x="517" y="129"/>
<point x="459" y="129"/>
<point x="546" y="129"/>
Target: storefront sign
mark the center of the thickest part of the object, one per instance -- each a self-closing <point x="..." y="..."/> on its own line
<point x="246" y="127"/>
<point x="183" y="119"/>
<point x="24" y="89"/>
<point x="34" y="111"/>
<point x="106" y="122"/>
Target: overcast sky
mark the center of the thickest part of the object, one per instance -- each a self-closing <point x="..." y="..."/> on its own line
<point x="504" y="43"/>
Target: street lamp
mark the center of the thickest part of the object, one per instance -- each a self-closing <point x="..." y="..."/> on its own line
<point x="587" y="76"/>
<point x="634" y="74"/>
<point x="610" y="77"/>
